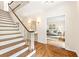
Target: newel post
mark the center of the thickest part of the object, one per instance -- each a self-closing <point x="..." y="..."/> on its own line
<point x="31" y="46"/>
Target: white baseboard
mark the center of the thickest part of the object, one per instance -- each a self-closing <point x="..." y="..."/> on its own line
<point x="42" y="42"/>
<point x="73" y="51"/>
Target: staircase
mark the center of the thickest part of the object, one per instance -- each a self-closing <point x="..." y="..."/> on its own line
<point x="12" y="43"/>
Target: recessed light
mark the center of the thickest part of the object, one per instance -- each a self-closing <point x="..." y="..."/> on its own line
<point x="49" y="1"/>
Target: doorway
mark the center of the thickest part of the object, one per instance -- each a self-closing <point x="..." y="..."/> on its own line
<point x="56" y="31"/>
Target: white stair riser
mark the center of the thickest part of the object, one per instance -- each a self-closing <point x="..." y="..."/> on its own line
<point x="6" y="19"/>
<point x="6" y="22"/>
<point x="4" y="15"/>
<point x="29" y="55"/>
<point x="8" y="28"/>
<point x="9" y="36"/>
<point x="2" y="20"/>
<point x="7" y="32"/>
<point x="11" y="48"/>
<point x="7" y="25"/>
<point x="3" y="11"/>
<point x="10" y="41"/>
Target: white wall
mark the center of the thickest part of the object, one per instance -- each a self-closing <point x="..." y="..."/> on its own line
<point x="71" y="12"/>
<point x="77" y="30"/>
<point x="70" y="25"/>
<point x="33" y="10"/>
<point x="72" y="28"/>
<point x="56" y="10"/>
<point x="2" y="5"/>
<point x="69" y="9"/>
<point x="43" y="11"/>
<point x="21" y="28"/>
<point x="6" y="5"/>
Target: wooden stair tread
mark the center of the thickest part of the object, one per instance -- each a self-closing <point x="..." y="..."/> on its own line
<point x="13" y="51"/>
<point x="10" y="36"/>
<point x="11" y="44"/>
<point x="25" y="53"/>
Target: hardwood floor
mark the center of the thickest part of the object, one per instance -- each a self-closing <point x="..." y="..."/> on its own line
<point x="45" y="50"/>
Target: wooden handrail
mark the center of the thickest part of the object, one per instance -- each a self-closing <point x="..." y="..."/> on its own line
<point x="20" y="20"/>
<point x="10" y="2"/>
<point x="16" y="7"/>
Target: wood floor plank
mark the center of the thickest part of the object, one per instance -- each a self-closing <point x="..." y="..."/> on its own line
<point x="46" y="50"/>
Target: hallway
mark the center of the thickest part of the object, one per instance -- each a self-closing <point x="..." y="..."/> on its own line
<point x="39" y="29"/>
